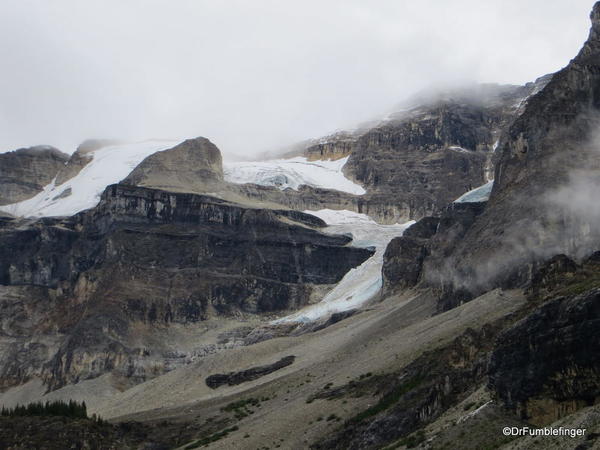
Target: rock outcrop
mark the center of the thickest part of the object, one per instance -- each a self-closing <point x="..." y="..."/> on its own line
<point x="144" y="259"/>
<point x="336" y="146"/>
<point x="418" y="257"/>
<point x="233" y="378"/>
<point x="543" y="200"/>
<point x="417" y="161"/>
<point x="545" y="366"/>
<point x="195" y="165"/>
<point x="25" y="172"/>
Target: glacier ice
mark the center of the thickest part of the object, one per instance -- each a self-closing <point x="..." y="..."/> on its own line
<point x="292" y="173"/>
<point x="361" y="283"/>
<point x="479" y="194"/>
<point x="109" y="165"/>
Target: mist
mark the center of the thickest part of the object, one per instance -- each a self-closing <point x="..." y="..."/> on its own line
<point x="255" y="75"/>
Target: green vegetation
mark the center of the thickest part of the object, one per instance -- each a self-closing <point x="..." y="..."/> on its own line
<point x="71" y="409"/>
<point x="243" y="408"/>
<point x="469" y="406"/>
<point x="387" y="400"/>
<point x="413" y="440"/>
<point x="579" y="287"/>
<point x="212" y="438"/>
<point x="241" y="404"/>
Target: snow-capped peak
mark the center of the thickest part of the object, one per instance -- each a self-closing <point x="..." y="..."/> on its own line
<point x="109" y="165"/>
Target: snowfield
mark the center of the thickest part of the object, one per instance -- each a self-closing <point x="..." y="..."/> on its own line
<point x="361" y="283"/>
<point x="109" y="165"/>
<point x="479" y="194"/>
<point x="292" y="173"/>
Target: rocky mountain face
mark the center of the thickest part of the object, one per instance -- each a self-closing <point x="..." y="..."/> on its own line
<point x="415" y="162"/>
<point x="25" y="172"/>
<point x="487" y="315"/>
<point x="542" y="202"/>
<point x="77" y="292"/>
<point x="336" y="146"/>
<point x="194" y="165"/>
<point x="537" y="232"/>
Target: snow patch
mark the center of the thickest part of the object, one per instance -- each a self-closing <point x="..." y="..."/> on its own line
<point x="456" y="148"/>
<point x="479" y="194"/>
<point x="475" y="412"/>
<point x="292" y="173"/>
<point x="361" y="283"/>
<point x="109" y="165"/>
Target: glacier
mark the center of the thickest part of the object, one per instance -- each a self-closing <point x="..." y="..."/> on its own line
<point x="361" y="283"/>
<point x="479" y="194"/>
<point x="109" y="165"/>
<point x="292" y="173"/>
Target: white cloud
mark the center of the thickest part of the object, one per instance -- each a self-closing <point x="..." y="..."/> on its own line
<point x="251" y="75"/>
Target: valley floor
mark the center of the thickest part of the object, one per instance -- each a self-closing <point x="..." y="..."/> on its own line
<point x="382" y="339"/>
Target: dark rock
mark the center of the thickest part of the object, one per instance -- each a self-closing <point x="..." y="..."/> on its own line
<point x="428" y="156"/>
<point x="545" y="366"/>
<point x="25" y="172"/>
<point x="543" y="201"/>
<point x="415" y="163"/>
<point x="423" y="229"/>
<point x="233" y="378"/>
<point x="335" y="318"/>
<point x="151" y="258"/>
<point x="402" y="263"/>
<point x="551" y="274"/>
<point x="424" y="246"/>
<point x="594" y="258"/>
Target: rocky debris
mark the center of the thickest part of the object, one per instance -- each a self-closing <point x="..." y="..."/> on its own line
<point x="417" y="395"/>
<point x="545" y="366"/>
<point x="25" y="172"/>
<point x="195" y="165"/>
<point x="233" y="378"/>
<point x="144" y="259"/>
<point x="538" y="362"/>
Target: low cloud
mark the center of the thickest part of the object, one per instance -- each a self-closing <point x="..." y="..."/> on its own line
<point x="255" y="75"/>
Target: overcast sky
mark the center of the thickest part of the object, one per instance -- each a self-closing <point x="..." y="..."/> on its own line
<point x="252" y="75"/>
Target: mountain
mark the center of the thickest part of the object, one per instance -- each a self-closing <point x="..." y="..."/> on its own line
<point x="25" y="172"/>
<point x="146" y="259"/>
<point x="436" y="147"/>
<point x="378" y="288"/>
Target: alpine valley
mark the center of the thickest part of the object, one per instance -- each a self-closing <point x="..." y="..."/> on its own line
<point x="419" y="281"/>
